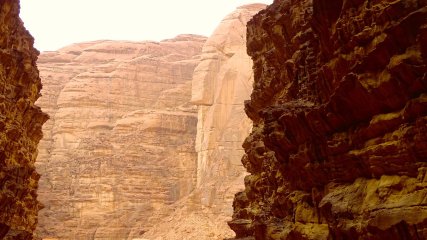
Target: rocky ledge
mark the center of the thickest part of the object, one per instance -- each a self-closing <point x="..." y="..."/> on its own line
<point x="339" y="144"/>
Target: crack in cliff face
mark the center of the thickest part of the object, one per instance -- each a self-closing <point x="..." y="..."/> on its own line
<point x="20" y="126"/>
<point x="339" y="109"/>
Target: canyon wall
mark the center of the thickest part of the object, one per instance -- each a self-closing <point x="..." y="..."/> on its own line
<point x="120" y="142"/>
<point x="221" y="82"/>
<point x="126" y="155"/>
<point x="20" y="126"/>
<point x="338" y="147"/>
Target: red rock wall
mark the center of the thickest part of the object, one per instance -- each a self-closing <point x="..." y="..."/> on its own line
<point x="339" y="144"/>
<point x="120" y="142"/>
<point x="20" y="126"/>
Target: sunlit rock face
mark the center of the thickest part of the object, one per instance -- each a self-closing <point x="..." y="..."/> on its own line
<point x="338" y="146"/>
<point x="221" y="82"/>
<point x="121" y="139"/>
<point x="20" y="126"/>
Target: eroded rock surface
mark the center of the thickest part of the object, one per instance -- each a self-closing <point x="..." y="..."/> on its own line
<point x="338" y="147"/>
<point x="120" y="144"/>
<point x="20" y="126"/>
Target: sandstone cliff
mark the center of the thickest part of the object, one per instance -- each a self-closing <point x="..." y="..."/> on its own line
<point x="120" y="142"/>
<point x="221" y="82"/>
<point x="338" y="147"/>
<point x="20" y="126"/>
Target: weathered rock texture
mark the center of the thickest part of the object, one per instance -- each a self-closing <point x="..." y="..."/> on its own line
<point x="20" y="126"/>
<point x="221" y="83"/>
<point x="120" y="142"/>
<point x="339" y="144"/>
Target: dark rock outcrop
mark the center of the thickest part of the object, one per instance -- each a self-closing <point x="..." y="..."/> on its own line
<point x="20" y="125"/>
<point x="339" y="144"/>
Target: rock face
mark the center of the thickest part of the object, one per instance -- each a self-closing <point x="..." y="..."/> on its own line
<point x="120" y="142"/>
<point x="221" y="83"/>
<point x="20" y="126"/>
<point x="338" y="147"/>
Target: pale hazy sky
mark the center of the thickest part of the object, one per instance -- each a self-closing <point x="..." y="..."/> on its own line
<point x="57" y="23"/>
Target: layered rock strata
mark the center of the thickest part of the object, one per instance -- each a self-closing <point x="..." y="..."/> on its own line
<point x="338" y="147"/>
<point x="221" y="83"/>
<point x="20" y="126"/>
<point x="120" y="142"/>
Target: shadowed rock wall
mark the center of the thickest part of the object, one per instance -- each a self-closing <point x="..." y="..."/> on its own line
<point x="338" y="147"/>
<point x="20" y="126"/>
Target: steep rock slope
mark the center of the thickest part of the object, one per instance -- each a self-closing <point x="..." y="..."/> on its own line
<point x="338" y="147"/>
<point x="120" y="144"/>
<point x="221" y="82"/>
<point x="20" y="126"/>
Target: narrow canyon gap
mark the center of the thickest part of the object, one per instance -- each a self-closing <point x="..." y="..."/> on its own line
<point x="339" y="144"/>
<point x="221" y="82"/>
<point x="132" y="150"/>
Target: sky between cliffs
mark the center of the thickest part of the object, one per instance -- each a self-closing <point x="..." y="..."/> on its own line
<point x="57" y="23"/>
